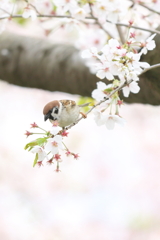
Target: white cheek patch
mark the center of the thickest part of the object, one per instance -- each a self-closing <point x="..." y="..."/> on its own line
<point x="56" y="116"/>
<point x="60" y="108"/>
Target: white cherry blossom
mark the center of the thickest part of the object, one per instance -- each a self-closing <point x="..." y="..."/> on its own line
<point x="149" y="44"/>
<point x="99" y="93"/>
<point x="88" y="53"/>
<point x="132" y="87"/>
<point x="55" y="129"/>
<point x="131" y="75"/>
<point x="134" y="64"/>
<point x="70" y="24"/>
<point x="66" y="5"/>
<point x="29" y="12"/>
<point x="112" y="49"/>
<point x="41" y="152"/>
<point x="111" y="120"/>
<point x="118" y="10"/>
<point x="100" y="10"/>
<point x="42" y="6"/>
<point x="98" y="117"/>
<point x="79" y="13"/>
<point x="104" y="71"/>
<point x="54" y="144"/>
<point x="93" y="37"/>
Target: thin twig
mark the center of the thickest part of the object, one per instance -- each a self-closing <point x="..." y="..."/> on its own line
<point x="140" y="28"/>
<point x="99" y="103"/>
<point x="5" y="12"/>
<point x="145" y="6"/>
<point x="120" y="34"/>
<point x="133" y="3"/>
<point x="34" y="8"/>
<point x="150" y="9"/>
<point x="150" y="68"/>
<point x="91" y="18"/>
<point x="98" y="23"/>
<point x="30" y="4"/>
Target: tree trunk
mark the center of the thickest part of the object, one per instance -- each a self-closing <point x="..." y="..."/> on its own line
<point x="37" y="63"/>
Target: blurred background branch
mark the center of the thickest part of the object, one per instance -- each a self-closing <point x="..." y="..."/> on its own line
<point x="37" y="63"/>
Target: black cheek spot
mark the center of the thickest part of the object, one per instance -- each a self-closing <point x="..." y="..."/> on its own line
<point x="52" y="118"/>
<point x="56" y="111"/>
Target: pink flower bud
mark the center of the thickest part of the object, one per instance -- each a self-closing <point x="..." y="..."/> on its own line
<point x="34" y="125"/>
<point x="64" y="134"/>
<point x="28" y="133"/>
<point x="76" y="156"/>
<point x="68" y="153"/>
<point x="39" y="163"/>
<point x="57" y="156"/>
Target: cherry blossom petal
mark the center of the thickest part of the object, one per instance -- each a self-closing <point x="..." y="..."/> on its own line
<point x="134" y="88"/>
<point x="54" y="144"/>
<point x="101" y="85"/>
<point x="86" y="54"/>
<point x="101" y="74"/>
<point x="151" y="37"/>
<point x="55" y="129"/>
<point x="98" y="117"/>
<point x="144" y="64"/>
<point x="41" y="153"/>
<point x="119" y="120"/>
<point x="151" y="45"/>
<point x="110" y="123"/>
<point x="126" y="91"/>
<point x="98" y="95"/>
<point x="109" y="75"/>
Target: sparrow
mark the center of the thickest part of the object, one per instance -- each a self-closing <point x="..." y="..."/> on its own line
<point x="65" y="112"/>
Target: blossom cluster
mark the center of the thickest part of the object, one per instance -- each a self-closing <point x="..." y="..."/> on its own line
<point x="49" y="146"/>
<point x="122" y="61"/>
<point x="83" y="12"/>
<point x="119" y="64"/>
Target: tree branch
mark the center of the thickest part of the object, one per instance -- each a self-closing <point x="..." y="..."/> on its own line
<point x="98" y="23"/>
<point x="37" y="63"/>
<point x="150" y="68"/>
<point x="92" y="18"/>
<point x="99" y="103"/>
<point x="111" y="94"/>
<point x="135" y="27"/>
<point x="150" y="9"/>
<point x="121" y="35"/>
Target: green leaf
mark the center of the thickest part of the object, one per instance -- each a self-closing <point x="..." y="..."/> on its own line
<point x="41" y="141"/>
<point x="108" y="90"/>
<point x="116" y="83"/>
<point x="38" y="141"/>
<point x="54" y="8"/>
<point x="21" y="21"/>
<point x="30" y="145"/>
<point x="83" y="100"/>
<point x="35" y="160"/>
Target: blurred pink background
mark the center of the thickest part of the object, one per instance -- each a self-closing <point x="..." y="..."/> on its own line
<point x="111" y="193"/>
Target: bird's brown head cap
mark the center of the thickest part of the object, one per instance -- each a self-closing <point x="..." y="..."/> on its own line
<point x="50" y="106"/>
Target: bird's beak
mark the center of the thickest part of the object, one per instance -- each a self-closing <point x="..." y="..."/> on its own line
<point x="46" y="116"/>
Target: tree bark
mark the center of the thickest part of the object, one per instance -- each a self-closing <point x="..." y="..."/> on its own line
<point x="37" y="63"/>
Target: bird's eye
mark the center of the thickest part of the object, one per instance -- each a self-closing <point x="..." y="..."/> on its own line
<point x="56" y="111"/>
